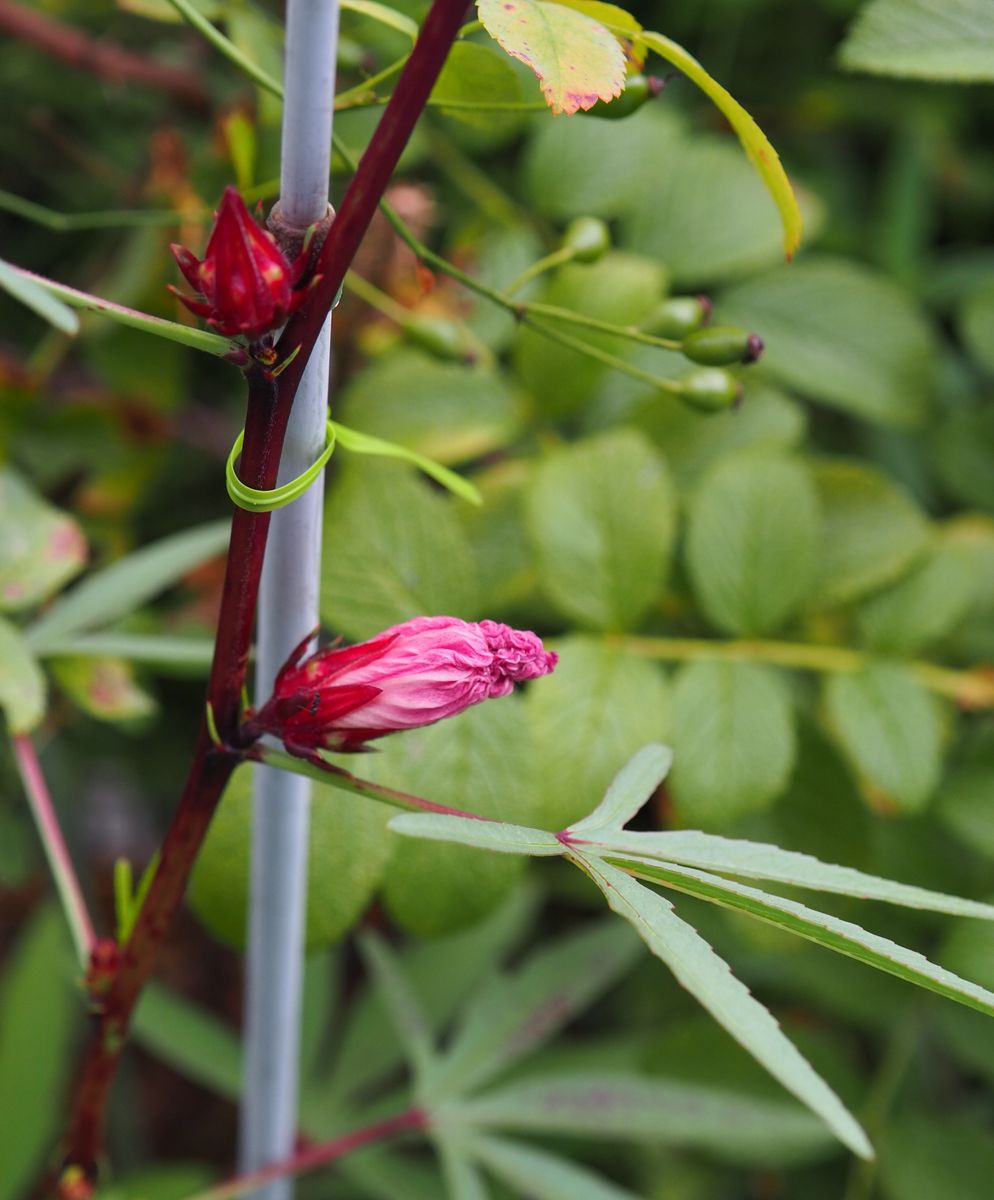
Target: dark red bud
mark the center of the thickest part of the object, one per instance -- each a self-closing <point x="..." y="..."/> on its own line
<point x="243" y="284"/>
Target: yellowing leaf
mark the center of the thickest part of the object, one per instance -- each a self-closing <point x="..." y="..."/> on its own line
<point x="576" y="59"/>
<point x="756" y="144"/>
<point x="619" y="22"/>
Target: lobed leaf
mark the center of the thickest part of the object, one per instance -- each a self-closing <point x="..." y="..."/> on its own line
<point x="540" y="1175"/>
<point x="831" y="932"/>
<point x="709" y="979"/>
<point x="512" y="1015"/>
<point x="656" y="1111"/>
<point x="629" y="790"/>
<point x="757" y="860"/>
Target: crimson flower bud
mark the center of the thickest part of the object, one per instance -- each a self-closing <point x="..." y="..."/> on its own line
<point x="244" y="284"/>
<point x="410" y="675"/>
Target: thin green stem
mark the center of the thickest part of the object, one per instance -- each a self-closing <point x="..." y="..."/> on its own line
<point x="557" y="258"/>
<point x="370" y="294"/>
<point x="196" y="339"/>
<point x="672" y="386"/>
<point x="354" y="97"/>
<point x="54" y="844"/>
<point x="630" y="332"/>
<point x="972" y="688"/>
<point x="114" y="218"/>
<point x="477" y="185"/>
<point x="337" y="777"/>
<point x="210" y="33"/>
<point x="521" y="309"/>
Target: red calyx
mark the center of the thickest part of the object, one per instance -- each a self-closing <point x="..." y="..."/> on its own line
<point x="244" y="284"/>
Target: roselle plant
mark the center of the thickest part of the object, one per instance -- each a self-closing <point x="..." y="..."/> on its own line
<point x="636" y="486"/>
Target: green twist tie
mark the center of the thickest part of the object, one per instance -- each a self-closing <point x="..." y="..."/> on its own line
<point x="256" y="500"/>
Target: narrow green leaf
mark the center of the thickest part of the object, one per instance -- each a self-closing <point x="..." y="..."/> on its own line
<point x="405" y="1012"/>
<point x="752" y="541"/>
<point x="197" y="339"/>
<point x="41" y="548"/>
<point x="831" y="932"/>
<point x="486" y="835"/>
<point x="22" y="685"/>
<point x="636" y="1108"/>
<point x="513" y="1015"/>
<point x="757" y="860"/>
<point x="463" y="1180"/>
<point x="577" y="61"/>
<point x="189" y="1039"/>
<point x="890" y="728"/>
<point x="125" y="585"/>
<point x="384" y="15"/>
<point x="756" y="144"/>
<point x="192" y="654"/>
<point x="923" y="39"/>
<point x="629" y="790"/>
<point x="38" y="1015"/>
<point x="32" y="295"/>
<point x="543" y="1176"/>
<point x="442" y="972"/>
<point x="708" y="978"/>
<point x="105" y="688"/>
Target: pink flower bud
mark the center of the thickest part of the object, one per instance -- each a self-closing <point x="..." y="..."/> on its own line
<point x="413" y="674"/>
<point x="244" y="284"/>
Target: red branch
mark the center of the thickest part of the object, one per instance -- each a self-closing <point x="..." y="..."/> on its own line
<point x="268" y="410"/>
<point x="319" y="1155"/>
<point x="105" y="59"/>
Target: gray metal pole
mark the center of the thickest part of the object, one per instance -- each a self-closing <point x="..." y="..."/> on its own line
<point x="288" y="610"/>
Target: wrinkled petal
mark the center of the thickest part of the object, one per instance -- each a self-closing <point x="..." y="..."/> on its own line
<point x="410" y="675"/>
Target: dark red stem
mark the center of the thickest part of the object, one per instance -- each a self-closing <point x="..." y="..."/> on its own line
<point x="319" y="1155"/>
<point x="269" y="405"/>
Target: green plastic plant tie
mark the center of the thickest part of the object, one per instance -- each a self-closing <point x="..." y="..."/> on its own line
<point x="256" y="500"/>
<point x="365" y="443"/>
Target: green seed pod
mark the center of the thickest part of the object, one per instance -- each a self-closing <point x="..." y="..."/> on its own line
<point x="722" y="346"/>
<point x="589" y="239"/>
<point x="710" y="390"/>
<point x="678" y="316"/>
<point x="638" y="90"/>
<point x="441" y="338"/>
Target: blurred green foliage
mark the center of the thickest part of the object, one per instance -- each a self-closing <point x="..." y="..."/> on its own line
<point x="844" y="515"/>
